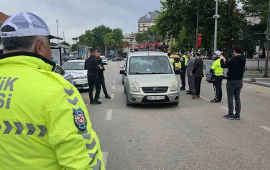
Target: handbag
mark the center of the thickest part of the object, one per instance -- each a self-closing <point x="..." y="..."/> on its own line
<point x="210" y="78"/>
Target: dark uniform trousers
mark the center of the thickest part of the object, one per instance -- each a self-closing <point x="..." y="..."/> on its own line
<point x="103" y="85"/>
<point x="183" y="78"/>
<point x="94" y="81"/>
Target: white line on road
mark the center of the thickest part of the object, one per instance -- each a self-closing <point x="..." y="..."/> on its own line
<point x="113" y="87"/>
<point x="105" y="158"/>
<point x="225" y="108"/>
<point x="112" y="96"/>
<point x="109" y="115"/>
<point x="205" y="98"/>
<point x="265" y="128"/>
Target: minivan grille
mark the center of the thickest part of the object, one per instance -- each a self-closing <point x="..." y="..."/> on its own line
<point x="155" y="89"/>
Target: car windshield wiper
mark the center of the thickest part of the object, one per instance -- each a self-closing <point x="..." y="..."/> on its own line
<point x="140" y="73"/>
<point x="157" y="73"/>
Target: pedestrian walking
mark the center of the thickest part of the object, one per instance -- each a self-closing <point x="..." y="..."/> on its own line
<point x="183" y="66"/>
<point x="236" y="69"/>
<point x="190" y="75"/>
<point x="217" y="72"/>
<point x="91" y="64"/>
<point x="102" y="78"/>
<point x="198" y="74"/>
<point x="44" y="121"/>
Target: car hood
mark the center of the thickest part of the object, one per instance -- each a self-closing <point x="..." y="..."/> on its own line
<point x="77" y="73"/>
<point x="150" y="80"/>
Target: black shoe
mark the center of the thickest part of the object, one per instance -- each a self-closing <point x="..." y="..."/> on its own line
<point x="92" y="102"/>
<point x="99" y="97"/>
<point x="182" y="89"/>
<point x="108" y="97"/>
<point x="228" y="117"/>
<point x="188" y="93"/>
<point x="97" y="102"/>
<point x="237" y="117"/>
<point x="215" y="101"/>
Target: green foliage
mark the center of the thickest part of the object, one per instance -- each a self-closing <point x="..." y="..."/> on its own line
<point x="74" y="47"/>
<point x="65" y="43"/>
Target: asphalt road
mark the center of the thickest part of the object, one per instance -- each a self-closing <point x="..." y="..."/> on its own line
<point x="192" y="135"/>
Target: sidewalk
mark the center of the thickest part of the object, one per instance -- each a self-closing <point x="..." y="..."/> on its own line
<point x="255" y="77"/>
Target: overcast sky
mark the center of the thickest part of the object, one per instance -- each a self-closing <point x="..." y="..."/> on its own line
<point x="76" y="16"/>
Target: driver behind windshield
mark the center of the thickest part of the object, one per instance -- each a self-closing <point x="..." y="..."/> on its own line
<point x="156" y="67"/>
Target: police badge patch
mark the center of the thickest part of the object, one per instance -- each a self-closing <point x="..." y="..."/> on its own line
<point x="79" y="119"/>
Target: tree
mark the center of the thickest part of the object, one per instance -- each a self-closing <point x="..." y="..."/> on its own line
<point x="74" y="47"/>
<point x="65" y="43"/>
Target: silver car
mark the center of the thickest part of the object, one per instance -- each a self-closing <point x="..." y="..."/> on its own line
<point x="149" y="78"/>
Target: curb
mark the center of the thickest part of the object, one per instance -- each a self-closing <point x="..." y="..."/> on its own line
<point x="259" y="83"/>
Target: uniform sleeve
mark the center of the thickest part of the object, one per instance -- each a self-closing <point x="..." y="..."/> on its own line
<point x="214" y="66"/>
<point x="70" y="132"/>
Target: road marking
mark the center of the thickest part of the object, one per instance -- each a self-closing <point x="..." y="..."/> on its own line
<point x="105" y="158"/>
<point x="263" y="91"/>
<point x="113" y="87"/>
<point x="112" y="96"/>
<point x="265" y="128"/>
<point x="109" y="115"/>
<point x="225" y="108"/>
<point x="205" y="98"/>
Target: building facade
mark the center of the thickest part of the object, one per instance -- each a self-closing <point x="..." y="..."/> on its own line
<point x="147" y="21"/>
<point x="131" y="39"/>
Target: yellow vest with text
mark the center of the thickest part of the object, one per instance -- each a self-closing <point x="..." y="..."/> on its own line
<point x="37" y="120"/>
<point x="217" y="68"/>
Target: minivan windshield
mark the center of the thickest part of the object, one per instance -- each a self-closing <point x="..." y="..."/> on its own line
<point x="73" y="66"/>
<point x="149" y="65"/>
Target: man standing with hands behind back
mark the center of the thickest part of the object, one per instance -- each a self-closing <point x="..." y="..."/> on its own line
<point x="91" y="64"/>
<point x="236" y="68"/>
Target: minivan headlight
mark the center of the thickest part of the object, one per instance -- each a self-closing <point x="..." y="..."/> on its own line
<point x="174" y="86"/>
<point x="134" y="87"/>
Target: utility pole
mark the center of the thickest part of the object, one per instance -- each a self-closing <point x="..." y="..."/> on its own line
<point x="216" y="16"/>
<point x="267" y="56"/>
<point x="57" y="29"/>
<point x="64" y="35"/>
<point x="197" y="30"/>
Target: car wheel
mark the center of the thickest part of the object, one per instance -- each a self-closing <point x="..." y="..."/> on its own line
<point x="127" y="102"/>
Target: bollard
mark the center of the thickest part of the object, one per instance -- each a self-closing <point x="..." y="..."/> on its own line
<point x="261" y="70"/>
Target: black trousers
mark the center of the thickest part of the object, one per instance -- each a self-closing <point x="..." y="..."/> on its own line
<point x="218" y="87"/>
<point x="198" y="81"/>
<point x="183" y="78"/>
<point x="233" y="91"/>
<point x="94" y="81"/>
<point x="103" y="85"/>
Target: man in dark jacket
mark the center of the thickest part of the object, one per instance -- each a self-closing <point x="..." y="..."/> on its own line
<point x="198" y="74"/>
<point x="236" y="68"/>
<point x="102" y="78"/>
<point x="91" y="64"/>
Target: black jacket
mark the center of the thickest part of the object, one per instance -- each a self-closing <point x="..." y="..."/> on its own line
<point x="236" y="67"/>
<point x="91" y="64"/>
<point x="198" y="68"/>
<point x="101" y="64"/>
<point x="183" y="63"/>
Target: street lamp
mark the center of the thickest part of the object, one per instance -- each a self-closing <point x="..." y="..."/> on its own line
<point x="57" y="29"/>
<point x="216" y="16"/>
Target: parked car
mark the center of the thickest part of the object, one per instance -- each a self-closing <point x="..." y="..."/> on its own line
<point x="149" y="78"/>
<point x="117" y="59"/>
<point x="104" y="60"/>
<point x="63" y="73"/>
<point x="76" y="69"/>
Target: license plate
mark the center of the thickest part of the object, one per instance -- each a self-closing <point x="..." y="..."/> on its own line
<point x="155" y="97"/>
<point x="74" y="83"/>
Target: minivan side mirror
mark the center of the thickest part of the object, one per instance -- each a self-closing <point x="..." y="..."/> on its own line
<point x="123" y="72"/>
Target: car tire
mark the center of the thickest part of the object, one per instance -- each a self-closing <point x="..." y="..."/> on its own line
<point x="127" y="102"/>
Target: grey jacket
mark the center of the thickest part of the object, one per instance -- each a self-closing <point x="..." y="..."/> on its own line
<point x="190" y="65"/>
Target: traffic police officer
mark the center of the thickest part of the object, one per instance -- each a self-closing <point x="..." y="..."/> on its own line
<point x="183" y="65"/>
<point x="217" y="71"/>
<point x="44" y="123"/>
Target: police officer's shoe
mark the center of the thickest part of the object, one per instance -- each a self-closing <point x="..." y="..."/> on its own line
<point x="215" y="101"/>
<point x="92" y="102"/>
<point x="108" y="97"/>
<point x="237" y="117"/>
<point x="97" y="102"/>
<point x="231" y="117"/>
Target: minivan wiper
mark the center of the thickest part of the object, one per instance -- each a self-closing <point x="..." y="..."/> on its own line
<point x="158" y="73"/>
<point x="140" y="73"/>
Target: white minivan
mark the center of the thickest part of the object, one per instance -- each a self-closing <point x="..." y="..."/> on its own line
<point x="149" y="78"/>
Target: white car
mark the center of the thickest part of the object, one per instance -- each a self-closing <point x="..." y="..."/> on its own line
<point x="62" y="72"/>
<point x="104" y="60"/>
<point x="76" y="69"/>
